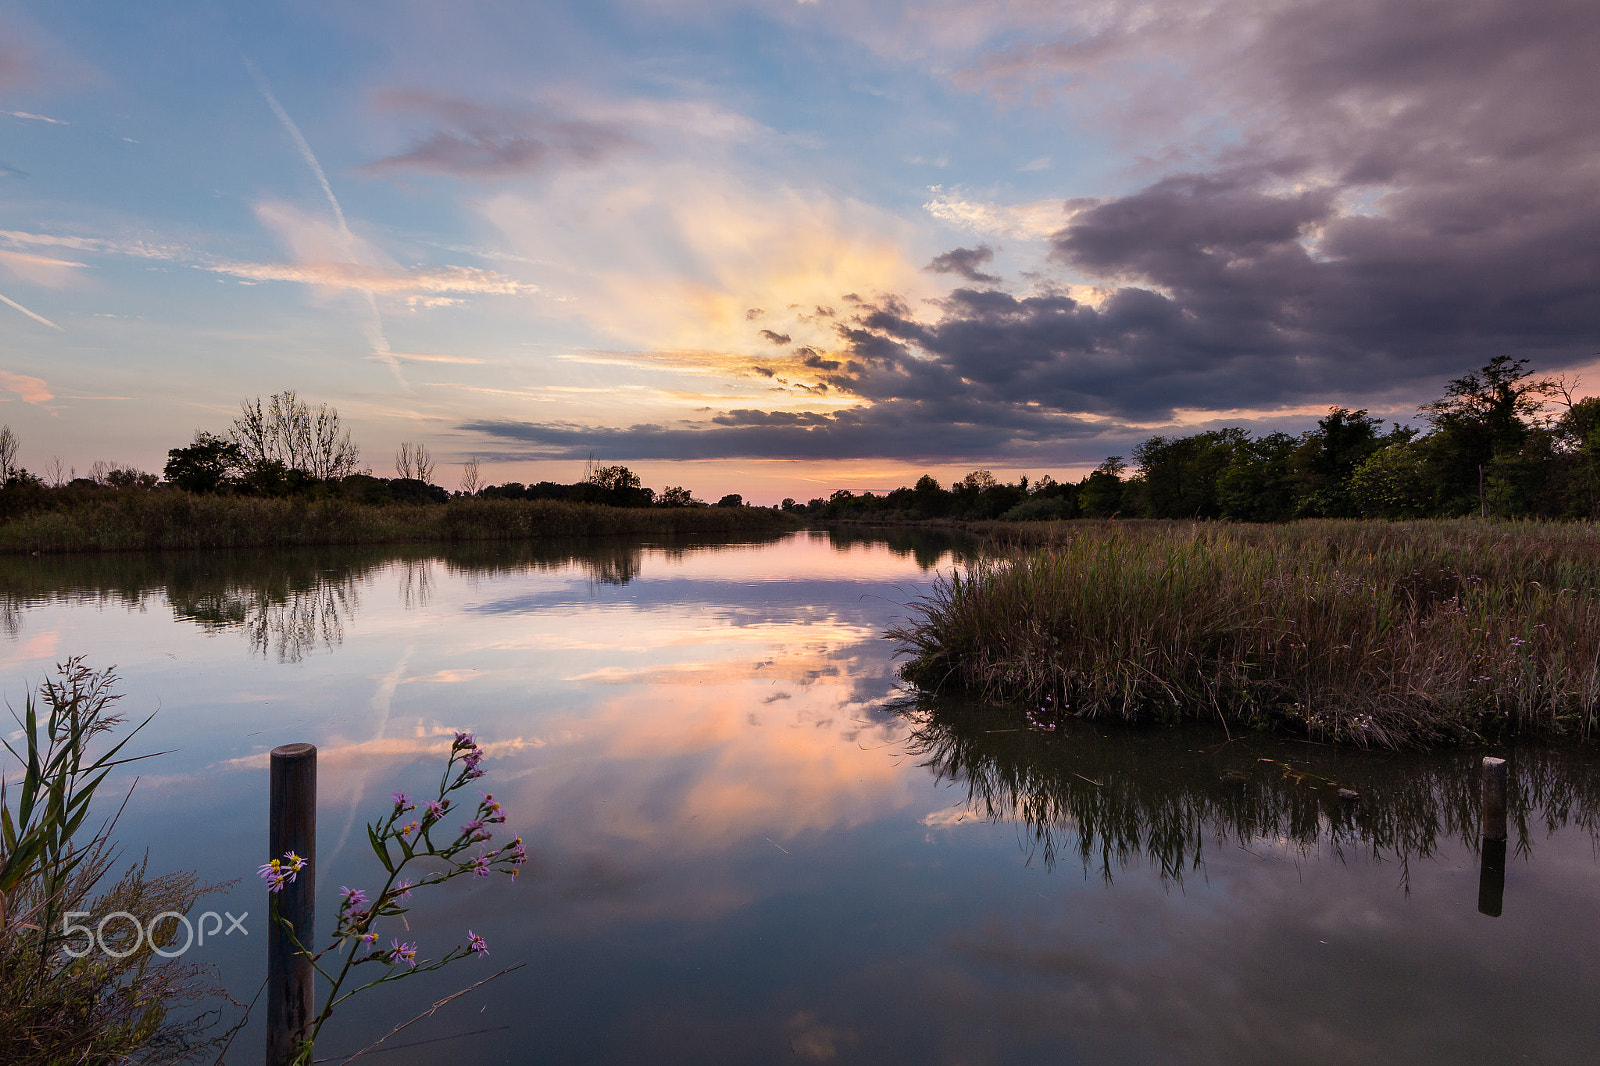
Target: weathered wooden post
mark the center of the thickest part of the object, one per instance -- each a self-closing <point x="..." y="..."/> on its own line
<point x="293" y="827"/>
<point x="1492" y="871"/>
<point x="1494" y="798"/>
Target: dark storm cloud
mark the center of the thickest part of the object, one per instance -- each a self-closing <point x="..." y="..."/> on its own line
<point x="939" y="430"/>
<point x="1414" y="188"/>
<point x="776" y="338"/>
<point x="1373" y="197"/>
<point x="471" y="139"/>
<point x="965" y="261"/>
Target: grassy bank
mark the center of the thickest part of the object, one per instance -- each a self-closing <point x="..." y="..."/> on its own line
<point x="135" y="520"/>
<point x="1383" y="634"/>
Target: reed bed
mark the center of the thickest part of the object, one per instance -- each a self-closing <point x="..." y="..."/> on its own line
<point x="134" y="520"/>
<point x="1378" y="634"/>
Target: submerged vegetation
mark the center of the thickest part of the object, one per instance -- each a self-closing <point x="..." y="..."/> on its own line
<point x="1377" y="634"/>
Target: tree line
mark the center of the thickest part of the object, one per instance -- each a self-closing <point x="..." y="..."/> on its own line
<point x="1500" y="442"/>
<point x="283" y="447"/>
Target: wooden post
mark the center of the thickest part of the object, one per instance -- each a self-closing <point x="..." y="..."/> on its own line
<point x="1494" y="798"/>
<point x="290" y="976"/>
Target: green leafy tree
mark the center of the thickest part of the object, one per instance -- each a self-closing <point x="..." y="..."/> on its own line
<point x="1394" y="482"/>
<point x="1179" y="475"/>
<point x="1329" y="455"/>
<point x="1100" y="494"/>
<point x="1579" y="441"/>
<point x="1260" y="483"/>
<point x="1483" y="416"/>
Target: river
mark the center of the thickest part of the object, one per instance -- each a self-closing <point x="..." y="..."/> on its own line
<point x="747" y="844"/>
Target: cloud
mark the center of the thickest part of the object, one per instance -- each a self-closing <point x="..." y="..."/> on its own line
<point x="431" y="357"/>
<point x="140" y="249"/>
<point x="323" y="257"/>
<point x="775" y="338"/>
<point x="1030" y="221"/>
<point x="1361" y="201"/>
<point x="672" y="256"/>
<point x="921" y="430"/>
<point x="380" y="281"/>
<point x="964" y="261"/>
<point x="39" y="269"/>
<point x="472" y="139"/>
<point x="28" y="389"/>
<point x="38" y="118"/>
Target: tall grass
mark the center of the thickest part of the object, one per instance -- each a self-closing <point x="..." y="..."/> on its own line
<point x="169" y="519"/>
<point x="98" y="1007"/>
<point x="1381" y="634"/>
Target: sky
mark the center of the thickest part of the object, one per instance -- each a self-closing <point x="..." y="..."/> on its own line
<point x="777" y="247"/>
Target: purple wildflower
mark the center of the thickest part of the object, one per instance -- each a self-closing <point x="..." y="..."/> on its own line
<point x="353" y="897"/>
<point x="279" y="872"/>
<point x="406" y="953"/>
<point x="402" y="891"/>
<point x="436" y="808"/>
<point x="480" y="866"/>
<point x="477" y="943"/>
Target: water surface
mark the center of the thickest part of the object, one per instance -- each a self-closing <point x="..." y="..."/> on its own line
<point x="747" y="845"/>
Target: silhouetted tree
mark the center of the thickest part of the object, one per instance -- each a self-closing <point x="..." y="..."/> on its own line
<point x="471" y="479"/>
<point x="414" y="461"/>
<point x="285" y="430"/>
<point x="209" y="464"/>
<point x="8" y="453"/>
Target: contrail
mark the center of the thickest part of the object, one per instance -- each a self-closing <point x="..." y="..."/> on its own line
<point x="375" y="336"/>
<point x="30" y="314"/>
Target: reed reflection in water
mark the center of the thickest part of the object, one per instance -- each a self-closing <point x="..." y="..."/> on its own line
<point x="1114" y="796"/>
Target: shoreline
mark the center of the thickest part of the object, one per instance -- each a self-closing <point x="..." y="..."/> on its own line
<point x="171" y="521"/>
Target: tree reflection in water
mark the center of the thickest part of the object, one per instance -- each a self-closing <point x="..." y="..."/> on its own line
<point x="1115" y="795"/>
<point x="291" y="603"/>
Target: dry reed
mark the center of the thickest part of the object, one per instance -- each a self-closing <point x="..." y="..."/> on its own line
<point x="1383" y="634"/>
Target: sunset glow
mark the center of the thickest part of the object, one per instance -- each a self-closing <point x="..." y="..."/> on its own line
<point x="781" y="248"/>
